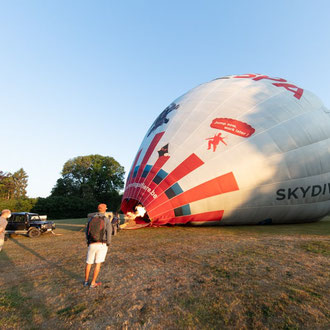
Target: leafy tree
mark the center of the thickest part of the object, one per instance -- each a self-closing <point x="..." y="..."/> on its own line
<point x="2" y="175"/>
<point x="86" y="181"/>
<point x="13" y="185"/>
<point x="4" y="185"/>
<point x="20" y="180"/>
<point x="93" y="177"/>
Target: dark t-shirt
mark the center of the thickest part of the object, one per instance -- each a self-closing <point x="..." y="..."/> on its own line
<point x="3" y="224"/>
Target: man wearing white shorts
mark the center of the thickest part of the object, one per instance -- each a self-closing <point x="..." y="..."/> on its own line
<point x="97" y="251"/>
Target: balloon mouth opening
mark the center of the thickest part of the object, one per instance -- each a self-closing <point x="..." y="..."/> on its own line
<point x="135" y="211"/>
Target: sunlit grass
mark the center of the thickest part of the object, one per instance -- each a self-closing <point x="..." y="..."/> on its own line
<point x="251" y="277"/>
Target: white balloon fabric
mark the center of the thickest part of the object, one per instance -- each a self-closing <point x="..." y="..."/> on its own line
<point x="244" y="149"/>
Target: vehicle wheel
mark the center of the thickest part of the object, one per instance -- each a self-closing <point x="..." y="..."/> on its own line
<point x="34" y="232"/>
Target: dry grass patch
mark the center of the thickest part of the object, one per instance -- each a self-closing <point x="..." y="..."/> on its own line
<point x="271" y="277"/>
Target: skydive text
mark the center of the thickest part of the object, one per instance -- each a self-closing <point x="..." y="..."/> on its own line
<point x="302" y="192"/>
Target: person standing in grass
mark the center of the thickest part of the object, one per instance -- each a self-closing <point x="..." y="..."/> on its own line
<point x="5" y="214"/>
<point x="98" y="235"/>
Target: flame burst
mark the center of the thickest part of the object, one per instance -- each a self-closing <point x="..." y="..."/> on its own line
<point x="140" y="212"/>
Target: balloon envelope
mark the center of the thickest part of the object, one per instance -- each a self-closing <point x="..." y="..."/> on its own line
<point x="245" y="149"/>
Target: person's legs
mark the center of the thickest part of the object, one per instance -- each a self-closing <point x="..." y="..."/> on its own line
<point x="87" y="271"/>
<point x="2" y="241"/>
<point x="96" y="273"/>
<point x="100" y="255"/>
<point x="91" y="252"/>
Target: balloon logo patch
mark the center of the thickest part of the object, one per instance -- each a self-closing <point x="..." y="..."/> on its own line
<point x="233" y="126"/>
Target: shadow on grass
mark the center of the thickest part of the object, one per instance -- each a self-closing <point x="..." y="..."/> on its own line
<point x="52" y="264"/>
<point x="70" y="227"/>
<point x="80" y="221"/>
<point x="71" y="224"/>
<point x="314" y="228"/>
<point x="16" y="305"/>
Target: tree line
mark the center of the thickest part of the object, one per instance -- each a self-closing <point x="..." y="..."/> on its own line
<point x="13" y="191"/>
<point x="85" y="182"/>
<point x="13" y="185"/>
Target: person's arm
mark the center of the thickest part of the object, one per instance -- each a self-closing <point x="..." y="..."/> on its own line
<point x="109" y="231"/>
<point x="86" y="231"/>
<point x="3" y="225"/>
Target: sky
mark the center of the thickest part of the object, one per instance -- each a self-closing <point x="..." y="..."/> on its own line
<point x="84" y="77"/>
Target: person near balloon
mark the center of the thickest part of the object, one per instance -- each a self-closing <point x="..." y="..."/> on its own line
<point x="5" y="214"/>
<point x="98" y="236"/>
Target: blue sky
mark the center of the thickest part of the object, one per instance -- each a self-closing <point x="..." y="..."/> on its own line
<point x="89" y="77"/>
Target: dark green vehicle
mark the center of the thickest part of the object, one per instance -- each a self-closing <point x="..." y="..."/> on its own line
<point x="30" y="224"/>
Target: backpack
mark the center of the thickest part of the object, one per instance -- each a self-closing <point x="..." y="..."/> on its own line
<point x="96" y="229"/>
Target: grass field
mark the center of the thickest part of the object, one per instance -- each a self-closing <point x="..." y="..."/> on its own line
<point x="247" y="277"/>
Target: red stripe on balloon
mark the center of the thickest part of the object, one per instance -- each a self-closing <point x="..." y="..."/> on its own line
<point x="138" y="179"/>
<point x="134" y="164"/>
<point x="159" y="200"/>
<point x="217" y="186"/>
<point x="123" y="206"/>
<point x="134" y="191"/>
<point x="145" y="159"/>
<point x="148" y="198"/>
<point x="150" y="150"/>
<point x="147" y="195"/>
<point x="157" y="166"/>
<point x="129" y="178"/>
<point x="199" y="217"/>
<point x="190" y="164"/>
<point x="139" y="192"/>
<point x="152" y="173"/>
<point x="206" y="216"/>
<point x="127" y="205"/>
<point x="164" y="218"/>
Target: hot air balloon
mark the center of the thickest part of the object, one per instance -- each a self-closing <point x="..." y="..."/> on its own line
<point x="241" y="149"/>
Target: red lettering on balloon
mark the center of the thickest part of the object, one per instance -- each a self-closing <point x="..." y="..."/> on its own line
<point x="249" y="75"/>
<point x="297" y="92"/>
<point x="269" y="78"/>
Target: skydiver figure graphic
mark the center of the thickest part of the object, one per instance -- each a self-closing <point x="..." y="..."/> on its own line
<point x="215" y="140"/>
<point x="162" y="118"/>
